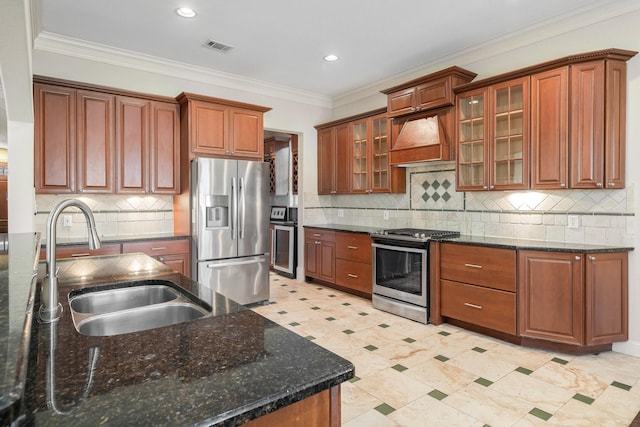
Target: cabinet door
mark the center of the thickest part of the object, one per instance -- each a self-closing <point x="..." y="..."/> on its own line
<point x="551" y="296"/>
<point x="360" y="157"/>
<point x="311" y="258"/>
<point x="510" y="135"/>
<point x="587" y="125"/>
<point x="165" y="148"/>
<point x="179" y="263"/>
<point x="615" y="123"/>
<point x="380" y="176"/>
<point x="326" y="161"/>
<point x="606" y="288"/>
<point x="436" y="93"/>
<point x="472" y="134"/>
<point x="246" y="139"/>
<point x="550" y="129"/>
<point x="132" y="142"/>
<point x="342" y="162"/>
<point x="208" y="128"/>
<point x="327" y="263"/>
<point x="401" y="102"/>
<point x="55" y="139"/>
<point x="96" y="142"/>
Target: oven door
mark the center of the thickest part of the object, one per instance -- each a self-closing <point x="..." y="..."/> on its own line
<point x="401" y="273"/>
<point x="283" y="248"/>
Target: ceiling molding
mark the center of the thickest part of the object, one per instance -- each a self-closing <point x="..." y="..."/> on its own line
<point x="560" y="24"/>
<point x="68" y="46"/>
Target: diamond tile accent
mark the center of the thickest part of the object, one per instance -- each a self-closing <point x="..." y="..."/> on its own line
<point x="585" y="399"/>
<point x="621" y="385"/>
<point x="543" y="415"/>
<point x="435" y="190"/>
<point x="371" y="347"/>
<point x="399" y="368"/>
<point x="384" y="409"/>
<point x="437" y="394"/>
<point x="483" y="381"/>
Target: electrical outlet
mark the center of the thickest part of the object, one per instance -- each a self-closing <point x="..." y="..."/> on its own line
<point x="385" y="214"/>
<point x="67" y="221"/>
<point x="340" y="213"/>
<point x="574" y="222"/>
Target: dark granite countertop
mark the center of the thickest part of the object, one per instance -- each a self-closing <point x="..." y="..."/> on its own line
<point x="536" y="245"/>
<point x="17" y="292"/>
<point x="344" y="227"/>
<point x="224" y="369"/>
<point x="62" y="241"/>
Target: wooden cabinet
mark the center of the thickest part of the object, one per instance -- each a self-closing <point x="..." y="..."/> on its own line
<point x="175" y="253"/>
<point x="104" y="140"/>
<point x="221" y="128"/>
<point x="320" y="254"/>
<point x="493" y="137"/>
<point x="353" y="262"/>
<point x="353" y="156"/>
<point x="478" y="286"/>
<point x="573" y="298"/>
<point x="425" y="93"/>
<point x="81" y="251"/>
<point x="333" y="159"/>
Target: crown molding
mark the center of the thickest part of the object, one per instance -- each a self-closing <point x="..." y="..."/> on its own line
<point x="76" y="48"/>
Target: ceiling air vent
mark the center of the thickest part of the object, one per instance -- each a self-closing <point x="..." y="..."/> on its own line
<point x="220" y="47"/>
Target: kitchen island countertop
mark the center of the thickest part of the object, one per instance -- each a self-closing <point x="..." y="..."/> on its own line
<point x="224" y="369"/>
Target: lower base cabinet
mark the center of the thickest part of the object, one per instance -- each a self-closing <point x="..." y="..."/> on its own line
<point x="175" y="253"/>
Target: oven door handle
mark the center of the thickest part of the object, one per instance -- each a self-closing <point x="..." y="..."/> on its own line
<point x="399" y="248"/>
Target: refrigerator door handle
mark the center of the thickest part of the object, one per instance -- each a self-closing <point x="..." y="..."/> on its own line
<point x="234" y="263"/>
<point x="243" y="208"/>
<point x="234" y="207"/>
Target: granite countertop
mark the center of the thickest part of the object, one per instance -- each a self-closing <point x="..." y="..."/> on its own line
<point x="536" y="245"/>
<point x="345" y="227"/>
<point x="17" y="292"/>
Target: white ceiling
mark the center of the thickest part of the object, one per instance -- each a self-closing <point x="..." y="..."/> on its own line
<point x="283" y="42"/>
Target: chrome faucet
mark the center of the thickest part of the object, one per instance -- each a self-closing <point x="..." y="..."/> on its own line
<point x="51" y="309"/>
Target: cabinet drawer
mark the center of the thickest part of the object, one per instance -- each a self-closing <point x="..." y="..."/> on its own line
<point x="481" y="306"/>
<point x="158" y="247"/>
<point x="78" y="251"/>
<point x="354" y="275"/>
<point x="479" y="265"/>
<point x="353" y="246"/>
<point x="318" y="234"/>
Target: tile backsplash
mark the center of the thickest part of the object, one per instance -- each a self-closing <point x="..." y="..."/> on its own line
<point x="603" y="216"/>
<point x="115" y="215"/>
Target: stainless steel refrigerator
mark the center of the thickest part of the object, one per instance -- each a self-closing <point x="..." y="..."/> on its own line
<point x="230" y="227"/>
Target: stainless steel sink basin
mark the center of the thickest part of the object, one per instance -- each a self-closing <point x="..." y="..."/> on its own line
<point x="121" y="299"/>
<point x="132" y="307"/>
<point x="139" y="319"/>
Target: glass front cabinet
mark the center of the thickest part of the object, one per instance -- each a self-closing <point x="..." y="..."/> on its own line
<point x="492" y="137"/>
<point x="370" y="155"/>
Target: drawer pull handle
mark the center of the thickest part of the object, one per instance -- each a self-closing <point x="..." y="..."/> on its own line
<point x="468" y="304"/>
<point x="161" y="248"/>
<point x="473" y="266"/>
<point x="317" y="235"/>
<point x="79" y="255"/>
<point x="355" y="248"/>
<point x="355" y="276"/>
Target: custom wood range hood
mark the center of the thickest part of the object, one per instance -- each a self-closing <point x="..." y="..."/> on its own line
<point x="422" y="117"/>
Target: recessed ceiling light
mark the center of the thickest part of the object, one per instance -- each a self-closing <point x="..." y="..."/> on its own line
<point x="331" y="58"/>
<point x="186" y="12"/>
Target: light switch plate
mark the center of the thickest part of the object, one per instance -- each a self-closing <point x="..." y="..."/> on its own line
<point x="67" y="221"/>
<point x="573" y="222"/>
<point x="340" y="213"/>
<point x="385" y="214"/>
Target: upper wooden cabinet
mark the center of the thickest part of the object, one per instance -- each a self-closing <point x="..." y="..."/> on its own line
<point x="577" y="115"/>
<point x="216" y="127"/>
<point x="493" y="137"/>
<point x="353" y="156"/>
<point x="427" y="92"/>
<point x="102" y="140"/>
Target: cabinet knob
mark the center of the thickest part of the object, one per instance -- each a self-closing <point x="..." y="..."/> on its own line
<point x="491" y="187"/>
<point x="485" y="187"/>
<point x="578" y="258"/>
<point x="563" y="185"/>
<point x="592" y="258"/>
<point x="611" y="184"/>
<point x="599" y="185"/>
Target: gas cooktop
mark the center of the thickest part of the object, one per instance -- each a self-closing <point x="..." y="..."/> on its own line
<point x="413" y="234"/>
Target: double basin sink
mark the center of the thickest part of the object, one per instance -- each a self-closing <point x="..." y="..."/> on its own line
<point x="132" y="307"/>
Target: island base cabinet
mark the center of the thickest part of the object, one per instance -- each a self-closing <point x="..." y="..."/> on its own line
<point x="320" y="410"/>
<point x="573" y="298"/>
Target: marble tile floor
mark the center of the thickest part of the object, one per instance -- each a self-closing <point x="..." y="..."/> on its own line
<point x="410" y="374"/>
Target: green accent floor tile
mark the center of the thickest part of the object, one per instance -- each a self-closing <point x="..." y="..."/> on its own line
<point x="303" y="299"/>
<point x="560" y="361"/>
<point x="384" y="409"/>
<point x="332" y="296"/>
<point x="584" y="399"/>
<point x="524" y="370"/>
<point x="483" y="381"/>
<point x="478" y="349"/>
<point x="384" y="325"/>
<point x="348" y="331"/>
<point x="310" y="337"/>
<point x="330" y="319"/>
<point x="346" y="303"/>
<point x="315" y="308"/>
<point x="399" y="368"/>
<point x="294" y="324"/>
<point x="282" y="312"/>
<point x="543" y="415"/>
<point x="371" y="347"/>
<point x="621" y="385"/>
<point x="319" y="289"/>
<point x="293" y="292"/>
<point x="441" y="358"/>
<point x="409" y="340"/>
<point x="354" y="379"/>
<point x="444" y="333"/>
<point x="437" y="394"/>
<point x="363" y="314"/>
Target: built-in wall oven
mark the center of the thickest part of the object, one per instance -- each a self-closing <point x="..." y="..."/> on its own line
<point x="284" y="252"/>
<point x="401" y="271"/>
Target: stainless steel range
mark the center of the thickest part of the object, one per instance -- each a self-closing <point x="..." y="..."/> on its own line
<point x="401" y="271"/>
